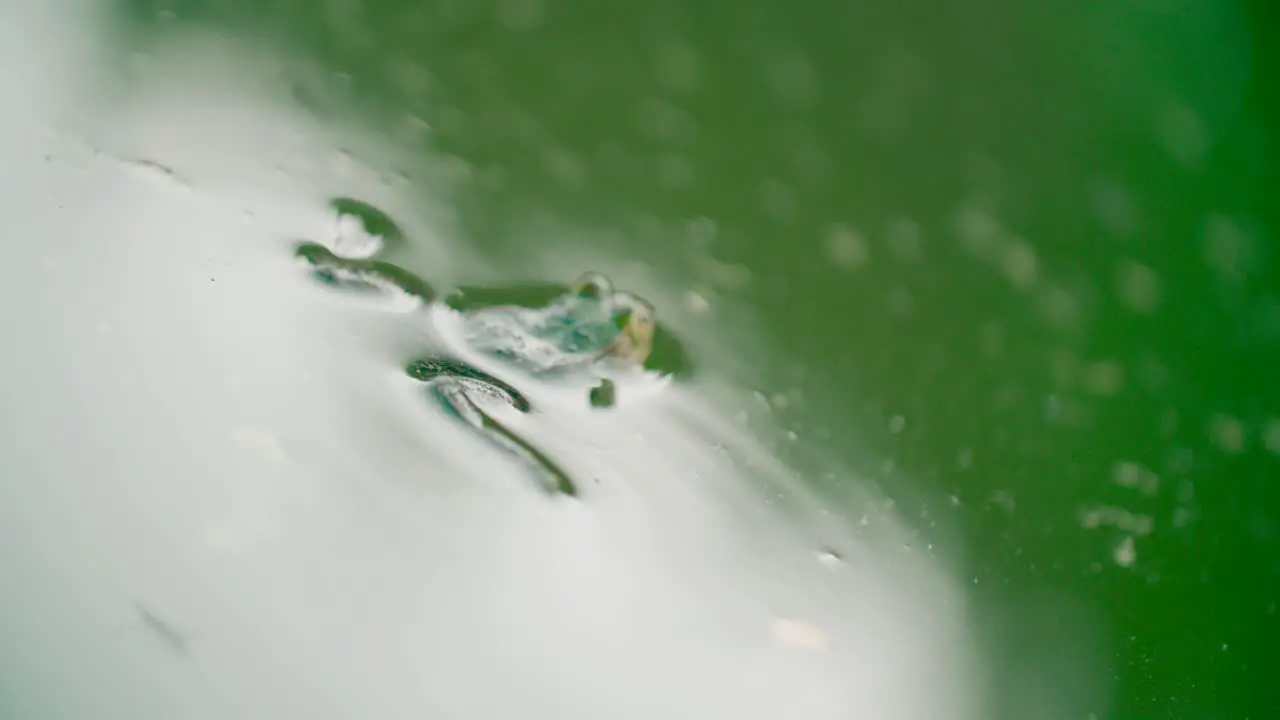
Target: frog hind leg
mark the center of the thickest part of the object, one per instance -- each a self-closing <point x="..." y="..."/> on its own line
<point x="432" y="368"/>
<point x="554" y="479"/>
<point x="447" y="380"/>
<point x="453" y="396"/>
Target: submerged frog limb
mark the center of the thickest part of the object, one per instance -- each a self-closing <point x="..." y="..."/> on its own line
<point x="361" y="274"/>
<point x="429" y="369"/>
<point x="604" y="395"/>
<point x="455" y="385"/>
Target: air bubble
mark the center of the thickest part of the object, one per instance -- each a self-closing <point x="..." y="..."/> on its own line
<point x="677" y="67"/>
<point x="1132" y="475"/>
<point x="1227" y="433"/>
<point x="1125" y="553"/>
<point x="1138" y="287"/>
<point x="846" y="247"/>
<point x="903" y="238"/>
<point x="1271" y="436"/>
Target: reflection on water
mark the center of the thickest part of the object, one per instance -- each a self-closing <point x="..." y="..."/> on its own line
<point x="192" y="427"/>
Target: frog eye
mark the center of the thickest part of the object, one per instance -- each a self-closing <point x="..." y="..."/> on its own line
<point x="623" y="317"/>
<point x="593" y="285"/>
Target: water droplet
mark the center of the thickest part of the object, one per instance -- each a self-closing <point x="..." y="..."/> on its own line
<point x="1227" y="433"/>
<point x="992" y="339"/>
<point x="897" y="423"/>
<point x="1114" y="208"/>
<point x="903" y="237"/>
<point x="846" y="247"/>
<point x="1020" y="265"/>
<point x="1003" y="499"/>
<point x="1052" y="408"/>
<point x="675" y="172"/>
<point x="1271" y="435"/>
<point x="1184" y="136"/>
<point x="778" y="200"/>
<point x="492" y="177"/>
<point x="977" y="228"/>
<point x="1061" y="307"/>
<point x="1181" y="517"/>
<point x="899" y="303"/>
<point x="1132" y="475"/>
<point x="1225" y="245"/>
<point x="564" y="167"/>
<point x="1118" y="518"/>
<point x="677" y="67"/>
<point x="794" y="80"/>
<point x="1187" y="490"/>
<point x="1138" y="287"/>
<point x="666" y="122"/>
<point x="809" y="163"/>
<point x="701" y="232"/>
<point x="1125" y="552"/>
<point x="1103" y="378"/>
<point x="696" y="303"/>
<point x="520" y="15"/>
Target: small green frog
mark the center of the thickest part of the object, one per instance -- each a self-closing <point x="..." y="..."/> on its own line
<point x="592" y="330"/>
<point x="590" y="327"/>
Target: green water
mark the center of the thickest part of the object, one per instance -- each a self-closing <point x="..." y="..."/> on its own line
<point x="1014" y="264"/>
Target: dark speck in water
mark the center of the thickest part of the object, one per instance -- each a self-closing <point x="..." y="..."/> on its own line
<point x="175" y="639"/>
<point x="155" y="169"/>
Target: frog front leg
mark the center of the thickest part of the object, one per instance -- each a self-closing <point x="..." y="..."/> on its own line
<point x="604" y="395"/>
<point x="361" y="275"/>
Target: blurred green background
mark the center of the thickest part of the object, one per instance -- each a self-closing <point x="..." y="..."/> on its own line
<point x="1024" y="253"/>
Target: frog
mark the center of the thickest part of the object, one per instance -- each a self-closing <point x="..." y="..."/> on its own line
<point x="592" y="330"/>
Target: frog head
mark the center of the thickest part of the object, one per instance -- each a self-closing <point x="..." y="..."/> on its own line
<point x="633" y="321"/>
<point x="589" y="323"/>
<point x="600" y="322"/>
